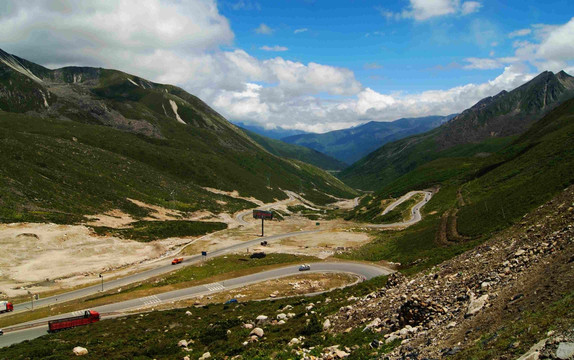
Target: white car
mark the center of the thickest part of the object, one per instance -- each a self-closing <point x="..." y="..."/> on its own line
<point x="1" y="332"/>
<point x="304" y="267"/>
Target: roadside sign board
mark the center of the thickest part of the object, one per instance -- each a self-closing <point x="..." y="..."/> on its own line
<point x="204" y="253"/>
<point x="263" y="214"/>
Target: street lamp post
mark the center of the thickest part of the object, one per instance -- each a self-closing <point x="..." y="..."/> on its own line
<point x="102" y="277"/>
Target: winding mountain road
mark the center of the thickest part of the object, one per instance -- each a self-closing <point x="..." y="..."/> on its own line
<point x="415" y="211"/>
<point x="37" y="328"/>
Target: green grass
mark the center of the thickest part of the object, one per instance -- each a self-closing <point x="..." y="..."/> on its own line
<point x="529" y="328"/>
<point x="155" y="335"/>
<point x="497" y="191"/>
<point x="146" y="231"/>
<point x="415" y="247"/>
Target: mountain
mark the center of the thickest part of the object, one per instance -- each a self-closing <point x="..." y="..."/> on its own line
<point x="81" y="140"/>
<point x="350" y="145"/>
<point x="480" y="130"/>
<point x="297" y="152"/>
<point x="276" y="133"/>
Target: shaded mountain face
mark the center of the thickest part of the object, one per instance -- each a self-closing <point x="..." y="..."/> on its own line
<point x="350" y="145"/>
<point x="508" y="113"/>
<point x="80" y="140"/>
<point x="476" y="130"/>
<point x="296" y="152"/>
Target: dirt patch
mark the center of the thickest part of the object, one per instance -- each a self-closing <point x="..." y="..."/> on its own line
<point x="65" y="255"/>
<point x="114" y="219"/>
<point x="234" y="194"/>
<point x="321" y="245"/>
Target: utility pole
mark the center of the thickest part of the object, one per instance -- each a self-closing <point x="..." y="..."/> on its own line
<point x="102" y="277"/>
<point x="262" y="227"/>
<point x="31" y="299"/>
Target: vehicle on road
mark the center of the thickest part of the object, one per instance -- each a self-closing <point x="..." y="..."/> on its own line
<point x="264" y="243"/>
<point x="231" y="301"/>
<point x="1" y="332"/>
<point x="6" y="306"/>
<point x="177" y="261"/>
<point x="304" y="267"/>
<point x="89" y="317"/>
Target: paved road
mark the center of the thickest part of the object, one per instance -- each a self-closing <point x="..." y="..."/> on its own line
<point x="141" y="276"/>
<point x="13" y="335"/>
<point x="415" y="211"/>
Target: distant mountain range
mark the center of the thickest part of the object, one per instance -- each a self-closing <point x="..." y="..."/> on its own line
<point x="82" y="140"/>
<point x="277" y="133"/>
<point x="480" y="130"/>
<point x="350" y="145"/>
<point x="297" y="152"/>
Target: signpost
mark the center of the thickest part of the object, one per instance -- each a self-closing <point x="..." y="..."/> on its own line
<point x="263" y="215"/>
<point x="204" y="255"/>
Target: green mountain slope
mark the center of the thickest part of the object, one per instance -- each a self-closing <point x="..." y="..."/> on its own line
<point x="475" y="131"/>
<point x="77" y="141"/>
<point x="478" y="196"/>
<point x="297" y="152"/>
<point x="350" y="145"/>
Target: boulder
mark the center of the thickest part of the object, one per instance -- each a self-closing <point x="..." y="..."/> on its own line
<point x="391" y="338"/>
<point x="182" y="343"/>
<point x="326" y="324"/>
<point x="475" y="304"/>
<point x="205" y="356"/>
<point x="261" y="319"/>
<point x="565" y="350"/>
<point x="257" y="331"/>
<point x="80" y="351"/>
<point x="294" y="341"/>
<point x="281" y="316"/>
<point x="248" y="326"/>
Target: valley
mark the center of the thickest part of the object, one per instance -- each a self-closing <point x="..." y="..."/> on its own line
<point x="106" y="178"/>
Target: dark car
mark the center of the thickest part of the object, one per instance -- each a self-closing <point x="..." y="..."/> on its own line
<point x="1" y="332"/>
<point x="231" y="301"/>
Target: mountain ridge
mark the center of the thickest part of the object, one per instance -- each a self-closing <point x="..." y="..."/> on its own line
<point x="350" y="145"/>
<point x="497" y="117"/>
<point x="167" y="140"/>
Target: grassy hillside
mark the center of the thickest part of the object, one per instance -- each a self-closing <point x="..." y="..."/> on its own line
<point x="302" y="153"/>
<point x="478" y="195"/>
<point x="91" y="138"/>
<point x="479" y="131"/>
<point x="350" y="145"/>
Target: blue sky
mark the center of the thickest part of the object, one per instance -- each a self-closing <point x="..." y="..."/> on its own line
<point x="389" y="54"/>
<point x="307" y="65"/>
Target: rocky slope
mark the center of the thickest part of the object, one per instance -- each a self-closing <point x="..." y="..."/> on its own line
<point x="494" y="301"/>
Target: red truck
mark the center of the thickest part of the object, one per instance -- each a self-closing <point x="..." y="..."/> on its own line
<point x="6" y="306"/>
<point x="89" y="317"/>
<point x="177" y="261"/>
